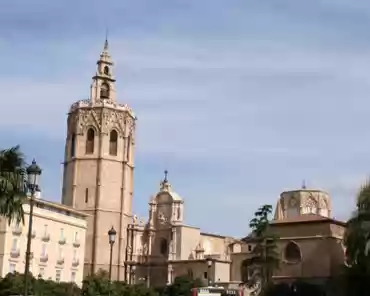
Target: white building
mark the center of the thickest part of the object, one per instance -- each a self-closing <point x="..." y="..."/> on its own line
<point x="58" y="243"/>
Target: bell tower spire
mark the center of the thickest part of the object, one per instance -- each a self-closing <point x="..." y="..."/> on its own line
<point x="103" y="87"/>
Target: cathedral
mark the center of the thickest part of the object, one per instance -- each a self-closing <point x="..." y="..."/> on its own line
<point x="98" y="180"/>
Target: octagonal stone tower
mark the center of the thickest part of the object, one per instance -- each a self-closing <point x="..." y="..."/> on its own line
<point x="99" y="168"/>
<point x="303" y="201"/>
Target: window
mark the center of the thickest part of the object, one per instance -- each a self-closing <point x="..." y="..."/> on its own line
<point x="205" y="275"/>
<point x="41" y="272"/>
<point x="90" y="139"/>
<point x="310" y="207"/>
<point x="60" y="253"/>
<point x="128" y="148"/>
<point x="104" y="90"/>
<point x="74" y="255"/>
<point x="249" y="248"/>
<point x="73" y="277"/>
<point x="76" y="237"/>
<point x="43" y="250"/>
<point x="86" y="195"/>
<point x="164" y="246"/>
<point x="58" y="275"/>
<point x="190" y="273"/>
<point x="292" y="253"/>
<point x="14" y="244"/>
<point x="178" y="213"/>
<point x="106" y="70"/>
<point x="73" y="145"/>
<point x="11" y="268"/>
<point x="113" y="138"/>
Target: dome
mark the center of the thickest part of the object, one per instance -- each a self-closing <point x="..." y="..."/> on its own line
<point x="304" y="201"/>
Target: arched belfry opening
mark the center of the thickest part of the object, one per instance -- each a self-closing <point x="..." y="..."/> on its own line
<point x="104" y="90"/>
<point x="106" y="70"/>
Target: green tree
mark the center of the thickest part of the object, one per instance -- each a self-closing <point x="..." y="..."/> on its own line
<point x="96" y="284"/>
<point x="12" y="184"/>
<point x="357" y="243"/>
<point x="265" y="259"/>
<point x="182" y="286"/>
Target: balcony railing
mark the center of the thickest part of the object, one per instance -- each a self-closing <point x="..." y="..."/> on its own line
<point x="75" y="262"/>
<point x="62" y="240"/>
<point x="46" y="237"/>
<point x="44" y="258"/>
<point x="14" y="253"/>
<point x="76" y="243"/>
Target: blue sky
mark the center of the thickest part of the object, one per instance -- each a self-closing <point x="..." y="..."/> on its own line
<point x="239" y="100"/>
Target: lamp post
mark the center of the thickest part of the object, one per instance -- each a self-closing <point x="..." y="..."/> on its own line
<point x="209" y="265"/>
<point x="112" y="238"/>
<point x="33" y="173"/>
<point x="133" y="274"/>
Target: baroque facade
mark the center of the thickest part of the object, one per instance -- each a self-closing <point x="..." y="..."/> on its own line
<point x="98" y="181"/>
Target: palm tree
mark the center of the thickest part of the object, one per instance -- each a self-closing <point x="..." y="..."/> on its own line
<point x="13" y="188"/>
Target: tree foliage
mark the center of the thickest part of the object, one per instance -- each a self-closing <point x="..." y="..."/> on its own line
<point x="181" y="286"/>
<point x="357" y="243"/>
<point x="13" y="187"/>
<point x="265" y="258"/>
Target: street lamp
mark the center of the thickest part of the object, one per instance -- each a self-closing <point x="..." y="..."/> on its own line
<point x="209" y="265"/>
<point x="133" y="272"/>
<point x="33" y="173"/>
<point x="112" y="238"/>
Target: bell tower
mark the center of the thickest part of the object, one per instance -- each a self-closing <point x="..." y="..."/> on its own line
<point x="98" y="174"/>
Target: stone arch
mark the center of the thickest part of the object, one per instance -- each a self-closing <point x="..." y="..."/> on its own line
<point x="292" y="253"/>
<point x="90" y="140"/>
<point x="113" y="142"/>
<point x="104" y="90"/>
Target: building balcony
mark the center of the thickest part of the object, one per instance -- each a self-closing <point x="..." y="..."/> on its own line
<point x="17" y="230"/>
<point x="14" y="253"/>
<point x="46" y="237"/>
<point x="75" y="262"/>
<point x="44" y="258"/>
<point x="60" y="261"/>
<point x="62" y="240"/>
<point x="76" y="243"/>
